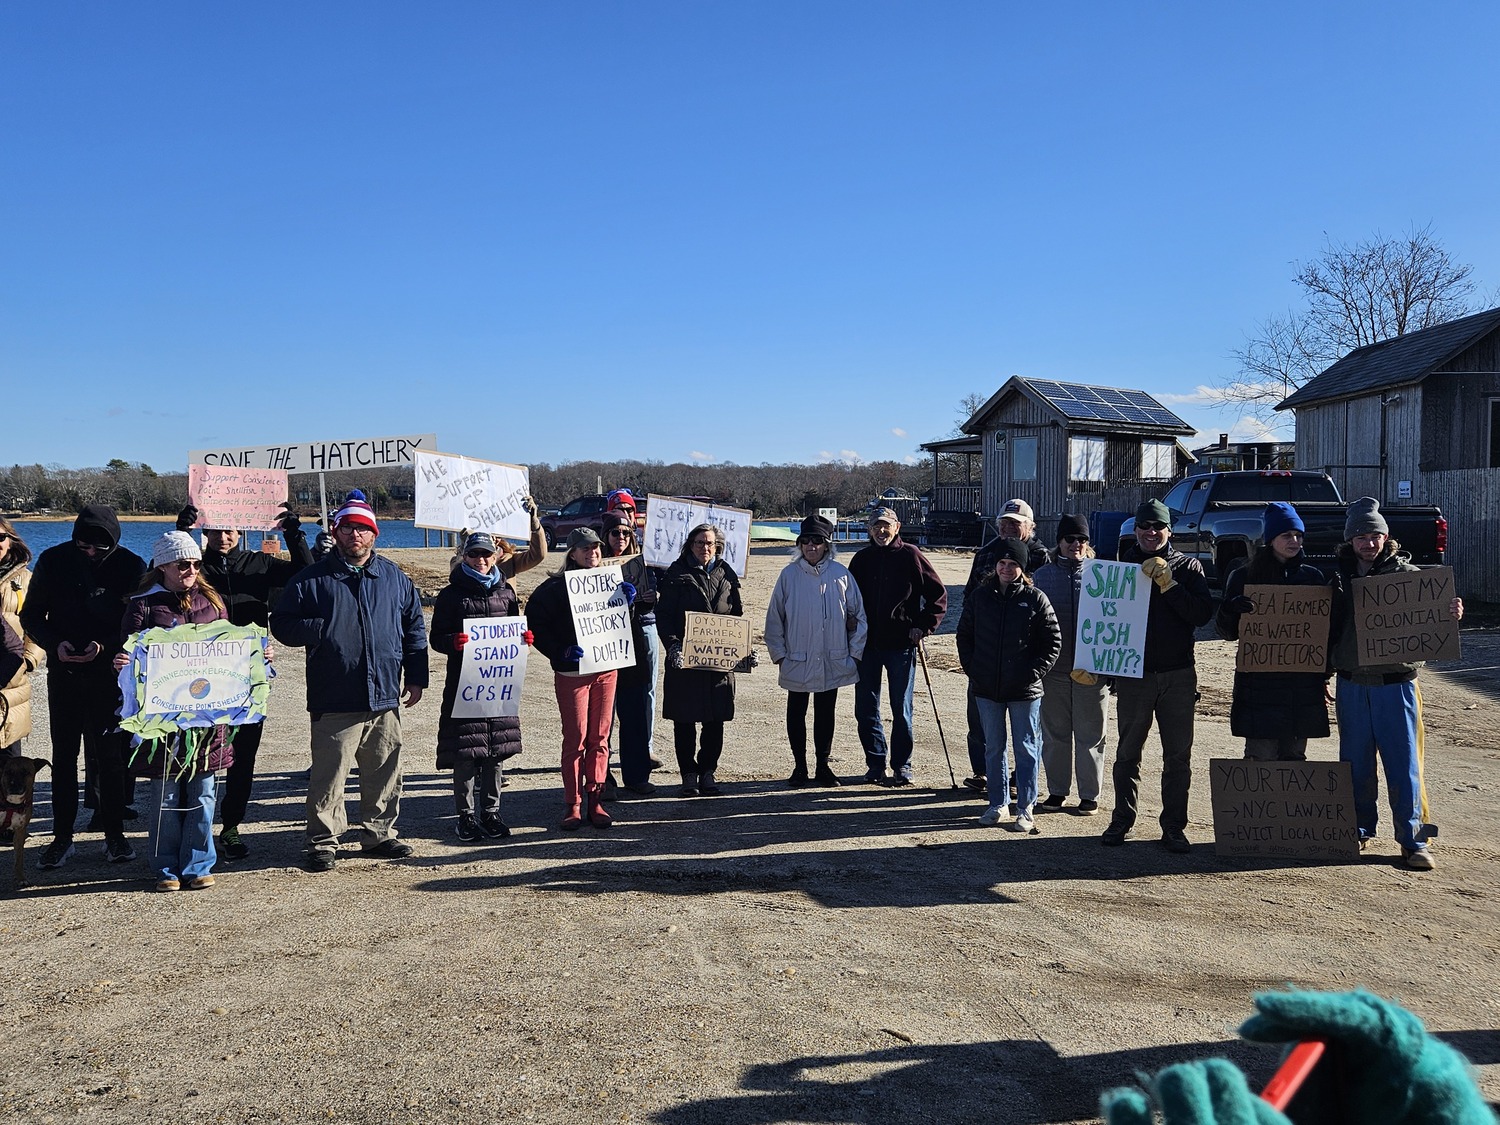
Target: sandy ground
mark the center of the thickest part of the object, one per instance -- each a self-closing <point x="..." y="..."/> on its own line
<point x="849" y="955"/>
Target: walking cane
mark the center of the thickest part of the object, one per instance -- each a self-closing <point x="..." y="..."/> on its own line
<point x="922" y="652"/>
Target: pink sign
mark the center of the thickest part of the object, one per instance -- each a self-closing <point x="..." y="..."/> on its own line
<point x="244" y="499"/>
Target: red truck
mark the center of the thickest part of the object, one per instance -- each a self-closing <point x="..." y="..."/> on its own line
<point x="585" y="511"/>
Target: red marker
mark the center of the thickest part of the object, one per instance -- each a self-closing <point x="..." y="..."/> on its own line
<point x="1293" y="1072"/>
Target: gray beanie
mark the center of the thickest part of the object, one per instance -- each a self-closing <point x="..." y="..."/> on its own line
<point x="174" y="546"/>
<point x="1365" y="519"/>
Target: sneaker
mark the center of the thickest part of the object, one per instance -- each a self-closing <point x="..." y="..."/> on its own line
<point x="117" y="849"/>
<point x="1025" y="825"/>
<point x="493" y="827"/>
<point x="826" y="777"/>
<point x="467" y="828"/>
<point x="56" y="853"/>
<point x="1419" y="859"/>
<point x="1114" y="835"/>
<point x="977" y="783"/>
<point x="231" y="846"/>
<point x="655" y="762"/>
<point x="200" y="882"/>
<point x="993" y="816"/>
<point x="897" y="781"/>
<point x="1086" y="808"/>
<point x="874" y="777"/>
<point x="319" y="861"/>
<point x="1365" y="842"/>
<point x="166" y="886"/>
<point x="1175" y="841"/>
<point x="1052" y="804"/>
<point x="388" y="849"/>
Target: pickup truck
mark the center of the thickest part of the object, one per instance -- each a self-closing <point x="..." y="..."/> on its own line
<point x="1217" y="519"/>
<point x="584" y="511"/>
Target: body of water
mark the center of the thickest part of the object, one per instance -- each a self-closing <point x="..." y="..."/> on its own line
<point x="138" y="535"/>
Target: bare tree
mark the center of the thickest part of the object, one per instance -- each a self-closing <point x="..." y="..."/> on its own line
<point x="1356" y="295"/>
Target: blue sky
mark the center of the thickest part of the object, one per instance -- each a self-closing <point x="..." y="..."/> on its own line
<point x="766" y="231"/>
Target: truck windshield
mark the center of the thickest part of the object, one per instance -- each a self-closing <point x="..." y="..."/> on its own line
<point x="1265" y="489"/>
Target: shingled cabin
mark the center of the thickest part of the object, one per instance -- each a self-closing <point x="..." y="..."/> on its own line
<point x="1416" y="420"/>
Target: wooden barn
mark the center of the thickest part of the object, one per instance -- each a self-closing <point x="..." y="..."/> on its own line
<point x="1071" y="447"/>
<point x="1416" y="420"/>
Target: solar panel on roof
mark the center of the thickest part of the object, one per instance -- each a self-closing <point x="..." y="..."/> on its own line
<point x="1107" y="404"/>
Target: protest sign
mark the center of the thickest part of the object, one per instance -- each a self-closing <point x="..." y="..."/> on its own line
<point x="1287" y="631"/>
<point x="1403" y="618"/>
<point x="455" y="492"/>
<point x="714" y="640"/>
<point x="493" y="668"/>
<point x="601" y="618"/>
<point x="318" y="456"/>
<point x="1112" y="609"/>
<point x="193" y="676"/>
<point x="236" y="499"/>
<point x="1302" y="810"/>
<point x="668" y="520"/>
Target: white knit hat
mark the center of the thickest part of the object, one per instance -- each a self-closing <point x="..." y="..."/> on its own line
<point x="172" y="547"/>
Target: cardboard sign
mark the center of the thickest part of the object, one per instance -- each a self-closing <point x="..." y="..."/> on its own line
<point x="454" y="493"/>
<point x="1403" y="618"/>
<point x="1288" y="632"/>
<point x="188" y="671"/>
<point x="668" y="520"/>
<point x="318" y="456"/>
<point x="601" y="618"/>
<point x="1112" y="608"/>
<point x="1301" y="810"/>
<point x="493" y="668"/>
<point x="714" y="640"/>
<point x="236" y="499"/>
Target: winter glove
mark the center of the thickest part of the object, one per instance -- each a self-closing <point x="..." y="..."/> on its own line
<point x="1390" y="1072"/>
<point x="460" y="639"/>
<point x="1159" y="572"/>
<point x="1079" y="676"/>
<point x="674" y="655"/>
<point x="749" y="663"/>
<point x="1241" y="604"/>
<point x="1211" y="1092"/>
<point x="187" y="518"/>
<point x="322" y="544"/>
<point x="528" y="638"/>
<point x="287" y="520"/>
<point x="573" y="654"/>
<point x="530" y="505"/>
<point x="627" y="591"/>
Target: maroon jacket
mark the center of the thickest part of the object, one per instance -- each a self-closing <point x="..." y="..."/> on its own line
<point x="901" y="591"/>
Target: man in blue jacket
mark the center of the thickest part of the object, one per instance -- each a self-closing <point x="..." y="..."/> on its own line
<point x="360" y="619"/>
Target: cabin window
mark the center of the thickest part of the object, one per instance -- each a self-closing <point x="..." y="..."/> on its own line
<point x="1023" y="458"/>
<point x="1158" y="460"/>
<point x="1086" y="458"/>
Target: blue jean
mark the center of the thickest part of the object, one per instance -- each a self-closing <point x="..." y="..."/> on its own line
<point x="182" y="833"/>
<point x="1025" y="717"/>
<point x="899" y="667"/>
<point x="1395" y="712"/>
<point x="635" y="709"/>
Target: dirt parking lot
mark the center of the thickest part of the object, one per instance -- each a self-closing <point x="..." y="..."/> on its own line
<point x="848" y="955"/>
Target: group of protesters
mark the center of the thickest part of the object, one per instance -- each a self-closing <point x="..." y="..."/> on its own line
<point x="1033" y="716"/>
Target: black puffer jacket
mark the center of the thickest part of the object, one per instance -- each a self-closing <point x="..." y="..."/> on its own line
<point x="696" y="695"/>
<point x="1175" y="616"/>
<point x="245" y="579"/>
<point x="482" y="739"/>
<point x="1008" y="640"/>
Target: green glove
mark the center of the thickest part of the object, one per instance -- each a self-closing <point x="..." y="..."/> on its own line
<point x="1211" y="1092"/>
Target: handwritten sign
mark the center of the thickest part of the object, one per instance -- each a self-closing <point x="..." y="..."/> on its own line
<point x="1403" y="618"/>
<point x="1303" y="810"/>
<point x="668" y="520"/>
<point x="493" y="668"/>
<point x="601" y="618"/>
<point x="1112" y="609"/>
<point x="189" y="672"/>
<point x="1287" y="632"/>
<point x="234" y="499"/>
<point x="454" y="493"/>
<point x="714" y="640"/>
<point x="318" y="456"/>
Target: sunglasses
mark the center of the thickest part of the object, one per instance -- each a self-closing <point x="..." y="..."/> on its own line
<point x="4" y="536"/>
<point x="1152" y="526"/>
<point x="620" y="532"/>
<point x="812" y="541"/>
<point x="185" y="565"/>
<point x="90" y="547"/>
<point x="480" y="554"/>
<point x="1077" y="540"/>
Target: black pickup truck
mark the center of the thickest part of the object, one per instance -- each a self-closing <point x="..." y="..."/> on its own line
<point x="1217" y="519"/>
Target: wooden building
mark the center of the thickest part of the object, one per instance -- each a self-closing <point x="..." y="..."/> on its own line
<point x="1070" y="447"/>
<point x="1416" y="420"/>
<point x="1234" y="456"/>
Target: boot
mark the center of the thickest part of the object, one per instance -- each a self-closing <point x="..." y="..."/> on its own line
<point x="825" y="775"/>
<point x="597" y="816"/>
<point x="799" y="778"/>
<point x="572" y="817"/>
<point x="689" y="785"/>
<point x="707" y="788"/>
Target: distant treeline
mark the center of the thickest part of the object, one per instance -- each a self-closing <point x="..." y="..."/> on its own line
<point x="767" y="490"/>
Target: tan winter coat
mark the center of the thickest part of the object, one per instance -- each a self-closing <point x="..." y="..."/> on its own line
<point x="15" y="697"/>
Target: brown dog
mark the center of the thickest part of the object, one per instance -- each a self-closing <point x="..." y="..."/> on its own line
<point x="17" y="780"/>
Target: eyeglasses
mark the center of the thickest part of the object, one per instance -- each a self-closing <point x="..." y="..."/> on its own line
<point x="480" y="554"/>
<point x="1152" y="526"/>
<point x="704" y="542"/>
<point x="357" y="528"/>
<point x="1076" y="540"/>
<point x="185" y="565"/>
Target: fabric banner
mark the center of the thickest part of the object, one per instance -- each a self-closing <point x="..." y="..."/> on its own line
<point x="1287" y="631"/>
<point x="1112" y="608"/>
<point x="714" y="640"/>
<point x="236" y="499"/>
<point x="194" y="676"/>
<point x="669" y="519"/>
<point x="454" y="493"/>
<point x="493" y="668"/>
<point x="1404" y="618"/>
<point x="601" y="618"/>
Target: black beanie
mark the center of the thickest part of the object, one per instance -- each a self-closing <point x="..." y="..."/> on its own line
<point x="1014" y="550"/>
<point x="1072" y="525"/>
<point x="815" y="525"/>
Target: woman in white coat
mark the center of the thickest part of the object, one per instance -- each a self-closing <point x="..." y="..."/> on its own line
<point x="815" y="632"/>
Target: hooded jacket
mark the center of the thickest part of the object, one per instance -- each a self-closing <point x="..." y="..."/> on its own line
<point x="815" y="625"/>
<point x="901" y="592"/>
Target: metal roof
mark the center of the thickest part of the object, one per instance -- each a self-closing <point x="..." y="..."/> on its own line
<point x="1395" y="362"/>
<point x="1106" y="407"/>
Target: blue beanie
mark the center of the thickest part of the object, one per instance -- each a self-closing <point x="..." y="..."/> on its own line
<point x="1282" y="517"/>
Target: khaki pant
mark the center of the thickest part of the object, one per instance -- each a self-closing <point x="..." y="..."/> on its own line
<point x="372" y="741"/>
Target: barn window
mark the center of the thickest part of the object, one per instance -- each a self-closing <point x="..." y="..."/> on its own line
<point x="1023" y="459"/>
<point x="1158" y="460"/>
<point x="1086" y="458"/>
